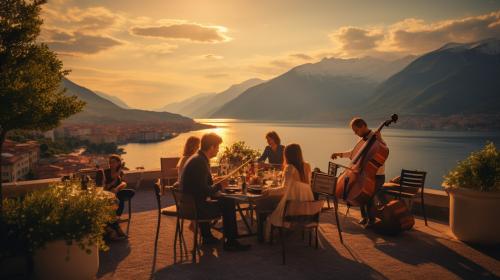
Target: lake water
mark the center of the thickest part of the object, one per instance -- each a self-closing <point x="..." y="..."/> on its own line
<point x="433" y="151"/>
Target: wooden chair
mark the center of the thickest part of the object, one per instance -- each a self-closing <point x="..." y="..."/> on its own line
<point x="169" y="172"/>
<point x="325" y="185"/>
<point x="410" y="185"/>
<point x="302" y="215"/>
<point x="332" y="170"/>
<point x="187" y="209"/>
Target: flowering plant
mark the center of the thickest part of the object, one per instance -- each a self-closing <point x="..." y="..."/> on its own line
<point x="238" y="153"/>
<point x="480" y="171"/>
<point x="61" y="212"/>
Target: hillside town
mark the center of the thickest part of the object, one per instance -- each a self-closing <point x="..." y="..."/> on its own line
<point x="119" y="133"/>
<point x="23" y="160"/>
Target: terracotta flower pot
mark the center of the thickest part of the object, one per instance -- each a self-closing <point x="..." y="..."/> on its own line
<point x="51" y="262"/>
<point x="474" y="215"/>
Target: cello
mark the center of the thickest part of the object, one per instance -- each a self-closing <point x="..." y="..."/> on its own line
<point x="356" y="185"/>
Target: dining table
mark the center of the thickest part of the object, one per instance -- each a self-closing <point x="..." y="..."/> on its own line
<point x="249" y="198"/>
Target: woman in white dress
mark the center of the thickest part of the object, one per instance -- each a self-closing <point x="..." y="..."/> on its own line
<point x="295" y="184"/>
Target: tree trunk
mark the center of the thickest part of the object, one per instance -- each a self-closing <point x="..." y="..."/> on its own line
<point x="2" y="139"/>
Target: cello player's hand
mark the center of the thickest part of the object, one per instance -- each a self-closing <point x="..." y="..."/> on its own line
<point x="336" y="155"/>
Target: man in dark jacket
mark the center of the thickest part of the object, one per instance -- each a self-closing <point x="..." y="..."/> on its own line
<point x="196" y="180"/>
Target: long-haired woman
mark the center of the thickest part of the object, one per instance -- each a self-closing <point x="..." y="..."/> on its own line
<point x="112" y="180"/>
<point x="190" y="148"/>
<point x="295" y="184"/>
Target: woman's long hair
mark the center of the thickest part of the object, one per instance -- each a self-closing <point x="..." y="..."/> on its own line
<point x="293" y="156"/>
<point x="118" y="159"/>
<point x="191" y="146"/>
<point x="273" y="135"/>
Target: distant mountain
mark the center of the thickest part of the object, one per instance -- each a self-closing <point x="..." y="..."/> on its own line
<point x="204" y="105"/>
<point x="457" y="79"/>
<point x="117" y="101"/>
<point x="371" y="68"/>
<point x="102" y="111"/>
<point x="187" y="106"/>
<point x="321" y="91"/>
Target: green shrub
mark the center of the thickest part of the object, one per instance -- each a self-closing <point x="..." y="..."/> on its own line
<point x="61" y="212"/>
<point x="238" y="153"/>
<point x="480" y="171"/>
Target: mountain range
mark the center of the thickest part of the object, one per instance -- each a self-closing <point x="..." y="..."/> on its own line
<point x="315" y="91"/>
<point x="454" y="79"/>
<point x="205" y="104"/>
<point x="99" y="110"/>
<point x="116" y="100"/>
<point x="456" y="86"/>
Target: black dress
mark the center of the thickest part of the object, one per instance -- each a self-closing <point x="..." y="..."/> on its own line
<point x="103" y="178"/>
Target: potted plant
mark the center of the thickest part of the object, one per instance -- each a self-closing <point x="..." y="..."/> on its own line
<point x="238" y="153"/>
<point x="474" y="189"/>
<point x="62" y="227"/>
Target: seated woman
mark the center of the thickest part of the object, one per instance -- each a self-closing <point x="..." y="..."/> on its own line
<point x="190" y="148"/>
<point x="112" y="180"/>
<point x="295" y="185"/>
<point x="274" y="151"/>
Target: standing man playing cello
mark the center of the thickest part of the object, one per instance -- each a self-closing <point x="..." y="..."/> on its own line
<point x="361" y="129"/>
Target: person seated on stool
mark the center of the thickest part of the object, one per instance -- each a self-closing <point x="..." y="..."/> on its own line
<point x="112" y="180"/>
<point x="196" y="180"/>
<point x="361" y="129"/>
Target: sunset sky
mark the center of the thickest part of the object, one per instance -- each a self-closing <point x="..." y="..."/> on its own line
<point x="154" y="52"/>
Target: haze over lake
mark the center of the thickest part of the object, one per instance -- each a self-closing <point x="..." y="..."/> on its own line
<point x="433" y="151"/>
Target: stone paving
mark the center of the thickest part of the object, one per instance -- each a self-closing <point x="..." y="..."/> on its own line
<point x="422" y="253"/>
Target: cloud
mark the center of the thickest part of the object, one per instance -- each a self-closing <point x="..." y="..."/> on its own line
<point x="93" y="19"/>
<point x="161" y="49"/>
<point x="414" y="35"/>
<point x="417" y="36"/>
<point x="77" y="43"/>
<point x="212" y="56"/>
<point x="353" y="38"/>
<point x="302" y="56"/>
<point x="216" y="75"/>
<point x="187" y="31"/>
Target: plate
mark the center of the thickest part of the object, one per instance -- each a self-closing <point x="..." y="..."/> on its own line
<point x="232" y="189"/>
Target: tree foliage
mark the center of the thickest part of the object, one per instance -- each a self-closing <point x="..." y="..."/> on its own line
<point x="31" y="96"/>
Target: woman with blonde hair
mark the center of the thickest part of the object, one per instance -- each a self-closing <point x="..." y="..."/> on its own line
<point x="190" y="148"/>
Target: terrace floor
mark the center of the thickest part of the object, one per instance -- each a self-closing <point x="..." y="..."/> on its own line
<point x="422" y="253"/>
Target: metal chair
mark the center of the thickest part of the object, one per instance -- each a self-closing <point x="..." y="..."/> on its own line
<point x="169" y="172"/>
<point x="325" y="185"/>
<point x="157" y="192"/>
<point x="187" y="209"/>
<point x="302" y="215"/>
<point x="411" y="184"/>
